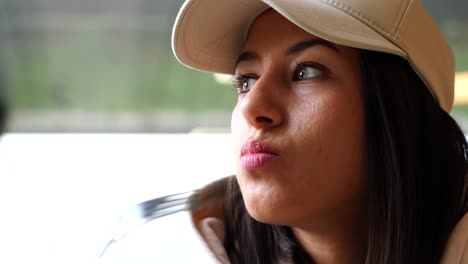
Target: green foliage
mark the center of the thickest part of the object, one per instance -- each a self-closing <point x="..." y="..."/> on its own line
<point x="87" y="73"/>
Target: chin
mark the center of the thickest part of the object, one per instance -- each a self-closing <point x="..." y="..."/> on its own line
<point x="265" y="211"/>
<point x="268" y="200"/>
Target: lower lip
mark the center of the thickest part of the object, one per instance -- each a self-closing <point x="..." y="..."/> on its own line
<point x="255" y="160"/>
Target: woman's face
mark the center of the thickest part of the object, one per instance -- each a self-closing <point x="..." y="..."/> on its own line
<point x="298" y="125"/>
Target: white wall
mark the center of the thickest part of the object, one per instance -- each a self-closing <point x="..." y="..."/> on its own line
<point x="61" y="193"/>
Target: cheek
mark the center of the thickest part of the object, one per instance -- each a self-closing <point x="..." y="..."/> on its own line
<point x="338" y="134"/>
<point x="343" y="156"/>
<point x="331" y="160"/>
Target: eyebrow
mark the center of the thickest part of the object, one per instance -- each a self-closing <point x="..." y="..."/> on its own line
<point x="303" y="45"/>
<point x="294" y="49"/>
<point x="247" y="56"/>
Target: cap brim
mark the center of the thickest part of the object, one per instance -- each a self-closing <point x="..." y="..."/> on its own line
<point x="208" y="35"/>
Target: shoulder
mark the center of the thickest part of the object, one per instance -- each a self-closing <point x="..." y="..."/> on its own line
<point x="456" y="250"/>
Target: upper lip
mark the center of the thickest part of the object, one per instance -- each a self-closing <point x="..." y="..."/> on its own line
<point x="256" y="146"/>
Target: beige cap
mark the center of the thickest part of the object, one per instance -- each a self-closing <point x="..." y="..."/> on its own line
<point x="208" y="35"/>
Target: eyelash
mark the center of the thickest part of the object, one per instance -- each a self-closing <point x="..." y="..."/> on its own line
<point x="237" y="78"/>
<point x="309" y="63"/>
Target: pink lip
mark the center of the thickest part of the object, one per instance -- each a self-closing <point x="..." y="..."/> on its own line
<point x="256" y="154"/>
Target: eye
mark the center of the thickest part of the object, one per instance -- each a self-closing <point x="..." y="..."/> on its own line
<point x="243" y="83"/>
<point x="306" y="72"/>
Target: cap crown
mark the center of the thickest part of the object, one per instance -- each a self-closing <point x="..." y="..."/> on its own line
<point x="385" y="18"/>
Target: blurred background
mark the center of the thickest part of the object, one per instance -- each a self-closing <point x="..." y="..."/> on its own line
<point x="107" y="66"/>
<point x="101" y="66"/>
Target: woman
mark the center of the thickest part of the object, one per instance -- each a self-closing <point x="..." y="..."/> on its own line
<point x="345" y="149"/>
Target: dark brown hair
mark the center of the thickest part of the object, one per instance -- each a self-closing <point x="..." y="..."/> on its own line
<point x="417" y="157"/>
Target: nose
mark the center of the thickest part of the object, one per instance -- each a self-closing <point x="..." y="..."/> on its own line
<point x="262" y="107"/>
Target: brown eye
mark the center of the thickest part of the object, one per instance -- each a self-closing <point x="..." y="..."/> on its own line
<point x="306" y="72"/>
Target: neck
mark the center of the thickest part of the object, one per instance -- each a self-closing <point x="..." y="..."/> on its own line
<point x="340" y="240"/>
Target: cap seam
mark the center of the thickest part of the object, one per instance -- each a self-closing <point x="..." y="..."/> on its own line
<point x="358" y="14"/>
<point x="408" y="6"/>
